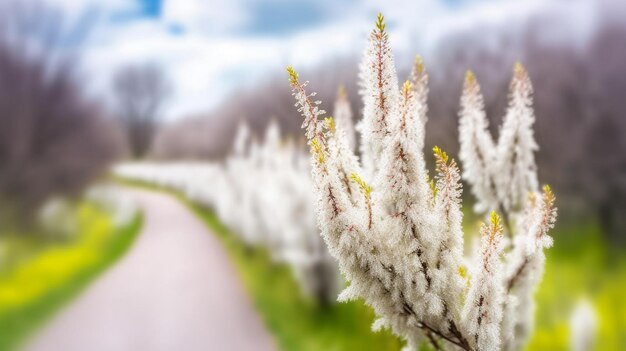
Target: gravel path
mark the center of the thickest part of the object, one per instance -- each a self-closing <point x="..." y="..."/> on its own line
<point x="174" y="290"/>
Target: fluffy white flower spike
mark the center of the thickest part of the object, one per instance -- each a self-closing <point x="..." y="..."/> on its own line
<point x="516" y="146"/>
<point x="501" y="175"/>
<point x="483" y="307"/>
<point x="343" y="117"/>
<point x="242" y="140"/>
<point x="524" y="265"/>
<point x="447" y="209"/>
<point x="398" y="236"/>
<point x="341" y="130"/>
<point x="419" y="79"/>
<point x="477" y="149"/>
<point x="379" y="89"/>
<point x="264" y="194"/>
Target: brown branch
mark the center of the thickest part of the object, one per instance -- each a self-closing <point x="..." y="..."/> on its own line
<point x="455" y="331"/>
<point x="433" y="341"/>
<point x="517" y="274"/>
<point x="462" y="343"/>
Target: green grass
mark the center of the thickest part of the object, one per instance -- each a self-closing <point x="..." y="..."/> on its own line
<point x="579" y="265"/>
<point x="297" y="323"/>
<point x="54" y="273"/>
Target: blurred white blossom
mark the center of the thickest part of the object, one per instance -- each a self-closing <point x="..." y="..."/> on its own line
<point x="264" y="194"/>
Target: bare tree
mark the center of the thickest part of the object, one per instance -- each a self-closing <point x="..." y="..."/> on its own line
<point x="211" y="136"/>
<point x="53" y="141"/>
<point x="140" y="92"/>
<point x="601" y="170"/>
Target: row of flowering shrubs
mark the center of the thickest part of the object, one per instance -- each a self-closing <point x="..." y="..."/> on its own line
<point x="263" y="193"/>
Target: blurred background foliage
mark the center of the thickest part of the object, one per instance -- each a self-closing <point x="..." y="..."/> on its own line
<point x="54" y="141"/>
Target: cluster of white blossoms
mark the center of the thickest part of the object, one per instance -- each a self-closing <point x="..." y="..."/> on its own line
<point x="264" y="194"/>
<point x="343" y="117"/>
<point x="502" y="174"/>
<point x="397" y="233"/>
<point x="503" y="178"/>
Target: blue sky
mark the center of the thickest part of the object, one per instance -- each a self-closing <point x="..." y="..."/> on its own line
<point x="151" y="8"/>
<point x="212" y="48"/>
<point x="275" y="17"/>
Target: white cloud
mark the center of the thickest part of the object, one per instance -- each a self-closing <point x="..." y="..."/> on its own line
<point x="75" y="8"/>
<point x="216" y="16"/>
<point x="210" y="58"/>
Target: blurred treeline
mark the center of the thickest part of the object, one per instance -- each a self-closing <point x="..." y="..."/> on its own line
<point x="54" y="141"/>
<point x="579" y="101"/>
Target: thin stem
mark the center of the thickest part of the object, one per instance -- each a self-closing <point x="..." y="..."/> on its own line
<point x="505" y="218"/>
<point x="462" y="344"/>
<point x="369" y="213"/>
<point x="516" y="276"/>
<point x="433" y="341"/>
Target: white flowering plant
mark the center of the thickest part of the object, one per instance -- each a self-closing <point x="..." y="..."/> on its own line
<point x="397" y="233"/>
<point x="263" y="193"/>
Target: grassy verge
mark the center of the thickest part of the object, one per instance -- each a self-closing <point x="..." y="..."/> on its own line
<point x="35" y="288"/>
<point x="297" y="323"/>
<point x="579" y="265"/>
<point x="580" y="268"/>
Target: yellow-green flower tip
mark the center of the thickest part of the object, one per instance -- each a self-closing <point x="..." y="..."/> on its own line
<point x="341" y="91"/>
<point x="496" y="227"/>
<point x="495" y="219"/>
<point x="330" y="124"/>
<point x="440" y="154"/>
<point x="293" y="76"/>
<point x="462" y="271"/>
<point x="419" y="64"/>
<point x="548" y="194"/>
<point x="380" y="22"/>
<point x="366" y="189"/>
<point x="407" y="87"/>
<point x="519" y="70"/>
<point x="470" y="78"/>
<point x="317" y="150"/>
